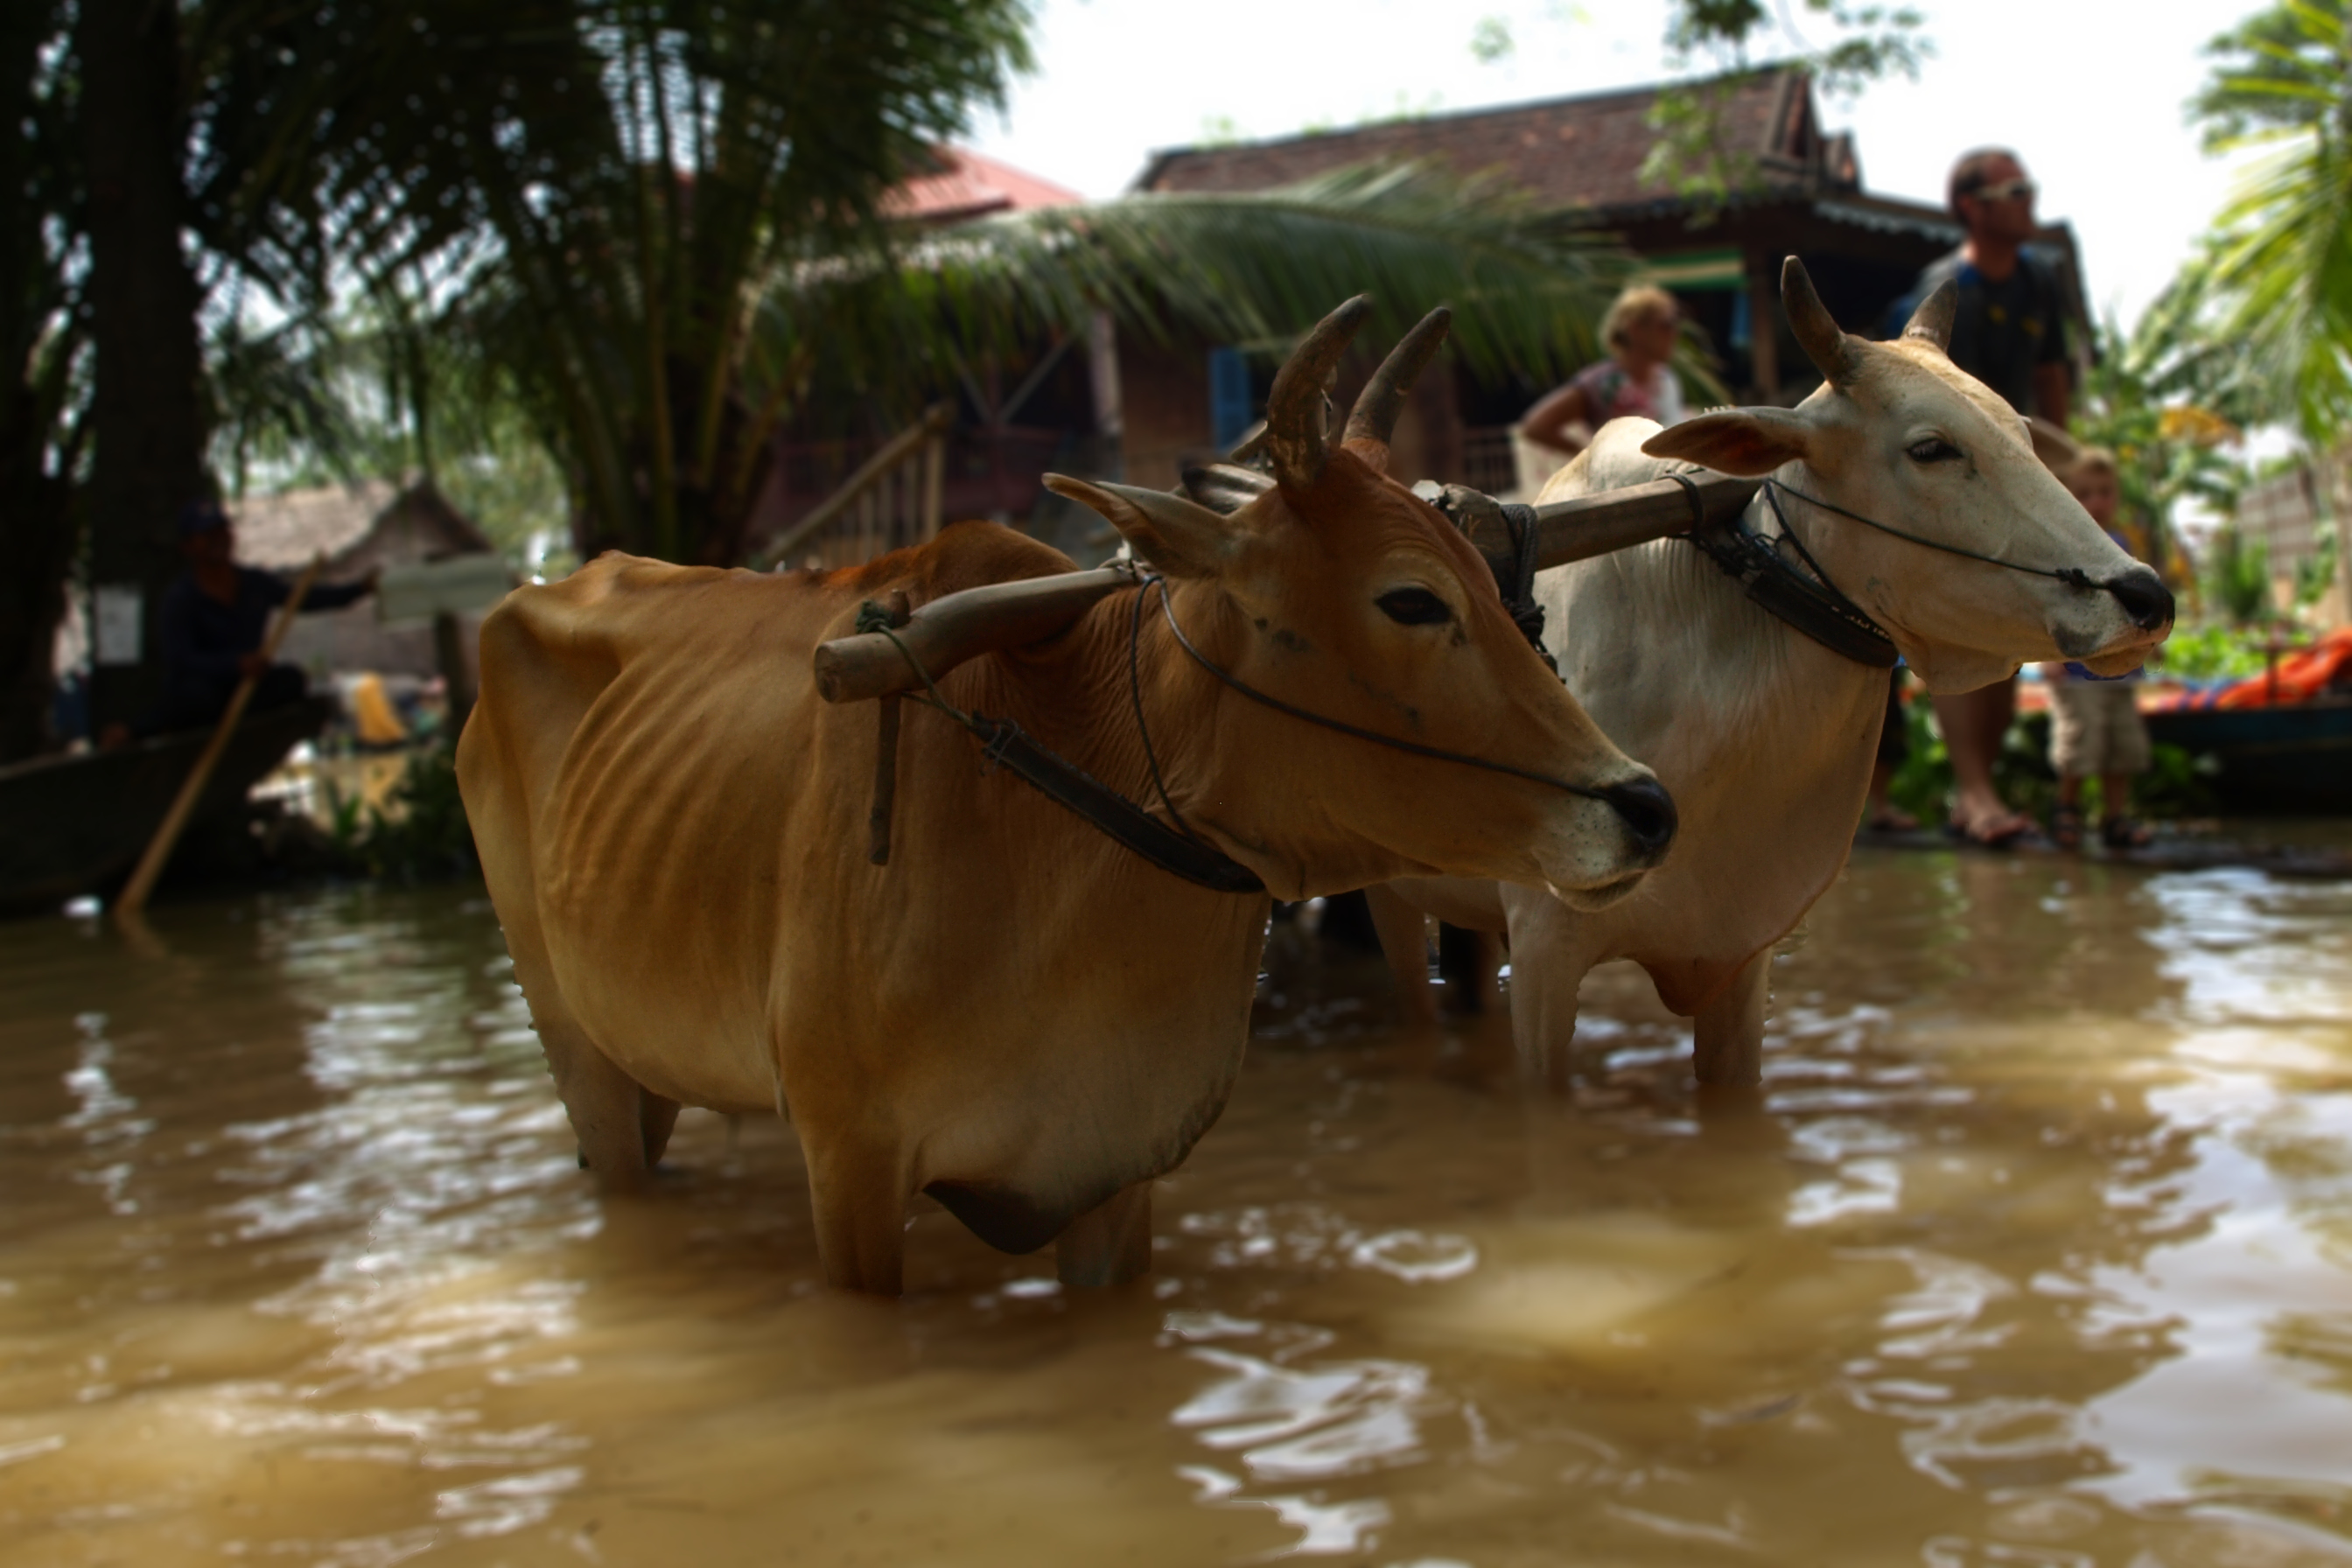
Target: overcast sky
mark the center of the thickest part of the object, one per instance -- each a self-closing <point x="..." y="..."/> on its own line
<point x="2089" y="91"/>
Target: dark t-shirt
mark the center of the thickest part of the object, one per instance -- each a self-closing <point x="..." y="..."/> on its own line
<point x="2001" y="333"/>
<point x="204" y="639"/>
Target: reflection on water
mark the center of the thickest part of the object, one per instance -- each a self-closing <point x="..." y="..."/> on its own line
<point x="2038" y="1252"/>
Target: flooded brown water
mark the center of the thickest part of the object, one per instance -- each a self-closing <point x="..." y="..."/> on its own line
<point x="2041" y="1254"/>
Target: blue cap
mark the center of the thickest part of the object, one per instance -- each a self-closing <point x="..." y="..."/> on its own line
<point x="201" y="516"/>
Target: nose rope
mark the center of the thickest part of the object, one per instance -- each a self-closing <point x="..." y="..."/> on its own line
<point x="1342" y="727"/>
<point x="2073" y="577"/>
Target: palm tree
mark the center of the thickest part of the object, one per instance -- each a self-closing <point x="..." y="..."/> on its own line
<point x="2282" y="254"/>
<point x="2168" y="398"/>
<point x="659" y="224"/>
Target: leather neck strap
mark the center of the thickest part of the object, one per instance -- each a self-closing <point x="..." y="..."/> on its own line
<point x="1805" y="599"/>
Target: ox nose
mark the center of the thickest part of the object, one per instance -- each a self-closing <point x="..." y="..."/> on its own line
<point x="1648" y="811"/>
<point x="2144" y="597"/>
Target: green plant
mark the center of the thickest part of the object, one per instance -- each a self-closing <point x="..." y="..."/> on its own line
<point x="423" y="834"/>
<point x="2176" y="784"/>
<point x="2238" y="577"/>
<point x="2282" y="252"/>
<point x="2212" y="653"/>
<point x="2315" y="573"/>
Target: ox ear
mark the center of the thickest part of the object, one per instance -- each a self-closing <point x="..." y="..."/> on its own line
<point x="1747" y="442"/>
<point x="2057" y="450"/>
<point x="1181" y="537"/>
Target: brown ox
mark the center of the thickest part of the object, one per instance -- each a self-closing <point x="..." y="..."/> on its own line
<point x="1014" y="1015"/>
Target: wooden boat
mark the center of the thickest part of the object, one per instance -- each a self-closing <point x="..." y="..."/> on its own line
<point x="2292" y="758"/>
<point x="72" y="824"/>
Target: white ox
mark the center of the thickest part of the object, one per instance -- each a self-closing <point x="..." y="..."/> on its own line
<point x="1764" y="737"/>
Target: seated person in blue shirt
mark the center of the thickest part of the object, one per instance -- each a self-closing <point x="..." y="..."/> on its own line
<point x="214" y="619"/>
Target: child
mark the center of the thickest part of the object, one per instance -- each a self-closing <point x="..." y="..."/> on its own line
<point x="2095" y="725"/>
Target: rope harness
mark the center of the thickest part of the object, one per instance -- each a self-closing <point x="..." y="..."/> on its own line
<point x="1182" y="852"/>
<point x="1809" y="600"/>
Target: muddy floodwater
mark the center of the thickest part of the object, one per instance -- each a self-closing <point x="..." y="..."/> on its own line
<point x="2040" y="1253"/>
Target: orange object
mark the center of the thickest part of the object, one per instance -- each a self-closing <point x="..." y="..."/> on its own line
<point x="2295" y="678"/>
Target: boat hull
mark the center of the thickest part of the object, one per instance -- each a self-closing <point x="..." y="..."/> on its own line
<point x="2294" y="758"/>
<point x="72" y="824"/>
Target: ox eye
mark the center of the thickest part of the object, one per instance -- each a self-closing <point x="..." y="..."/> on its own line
<point x="1934" y="450"/>
<point x="1413" y="607"/>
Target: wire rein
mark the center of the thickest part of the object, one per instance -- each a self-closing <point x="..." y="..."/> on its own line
<point x="1342" y="727"/>
<point x="2073" y="577"/>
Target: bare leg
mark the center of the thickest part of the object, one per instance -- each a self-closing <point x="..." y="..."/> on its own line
<point x="1974" y="723"/>
<point x="858" y="1191"/>
<point x="1404" y="940"/>
<point x="1727" y="1036"/>
<point x="1109" y="1244"/>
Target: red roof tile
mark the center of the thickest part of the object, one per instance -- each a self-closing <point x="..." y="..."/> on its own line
<point x="968" y="186"/>
<point x="1584" y="152"/>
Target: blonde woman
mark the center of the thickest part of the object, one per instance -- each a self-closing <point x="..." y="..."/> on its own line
<point x="1639" y="332"/>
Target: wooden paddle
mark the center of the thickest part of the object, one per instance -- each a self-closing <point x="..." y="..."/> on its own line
<point x="159" y="848"/>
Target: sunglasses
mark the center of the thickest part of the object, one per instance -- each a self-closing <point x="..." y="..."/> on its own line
<point x="2008" y="190"/>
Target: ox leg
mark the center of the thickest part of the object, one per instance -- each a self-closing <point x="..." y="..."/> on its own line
<point x="1110" y="1244"/>
<point x="657" y="1119"/>
<point x="607" y="1109"/>
<point x="1404" y="940"/>
<point x="858" y="1190"/>
<point x="1727" y="1036"/>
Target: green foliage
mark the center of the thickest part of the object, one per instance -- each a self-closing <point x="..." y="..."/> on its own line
<point x="591" y="196"/>
<point x="2176" y="784"/>
<point x="1490" y="40"/>
<point x="2315" y="573"/>
<point x="2238" y="577"/>
<point x="1250" y="268"/>
<point x="1923" y="784"/>
<point x="1693" y="155"/>
<point x="423" y="837"/>
<point x="2170" y="398"/>
<point x="2212" y="653"/>
<point x="2280" y="258"/>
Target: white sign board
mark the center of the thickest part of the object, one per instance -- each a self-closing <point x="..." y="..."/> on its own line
<point x="116" y="607"/>
<point x="451" y="586"/>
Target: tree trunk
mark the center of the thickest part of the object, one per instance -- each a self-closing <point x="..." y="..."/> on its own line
<point x="36" y="523"/>
<point x="149" y="417"/>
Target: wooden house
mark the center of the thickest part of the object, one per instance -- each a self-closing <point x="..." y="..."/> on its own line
<point x="1793" y="188"/>
<point x="1110" y="405"/>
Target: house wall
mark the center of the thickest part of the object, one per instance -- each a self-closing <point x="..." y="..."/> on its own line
<point x="1165" y="401"/>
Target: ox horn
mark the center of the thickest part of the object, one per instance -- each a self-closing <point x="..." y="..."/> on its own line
<point x="1932" y="322"/>
<point x="1823" y="341"/>
<point x="1375" y="414"/>
<point x="1293" y="410"/>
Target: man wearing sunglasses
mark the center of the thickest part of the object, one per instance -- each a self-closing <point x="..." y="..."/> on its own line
<point x="2010" y="332"/>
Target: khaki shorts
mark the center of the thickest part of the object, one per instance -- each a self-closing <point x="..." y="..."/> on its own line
<point x="2096" y="728"/>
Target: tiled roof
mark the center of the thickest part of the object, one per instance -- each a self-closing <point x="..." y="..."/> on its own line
<point x="968" y="186"/>
<point x="1584" y="152"/>
<point x="355" y="527"/>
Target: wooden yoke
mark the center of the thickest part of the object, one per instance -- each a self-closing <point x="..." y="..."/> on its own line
<point x="957" y="627"/>
<point x="1606" y="521"/>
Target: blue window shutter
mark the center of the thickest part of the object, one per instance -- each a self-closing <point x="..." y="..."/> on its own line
<point x="1229" y="414"/>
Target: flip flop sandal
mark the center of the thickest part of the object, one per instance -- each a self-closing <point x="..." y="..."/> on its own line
<point x="2066" y="826"/>
<point x="2002" y="838"/>
<point x="2124" y="833"/>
